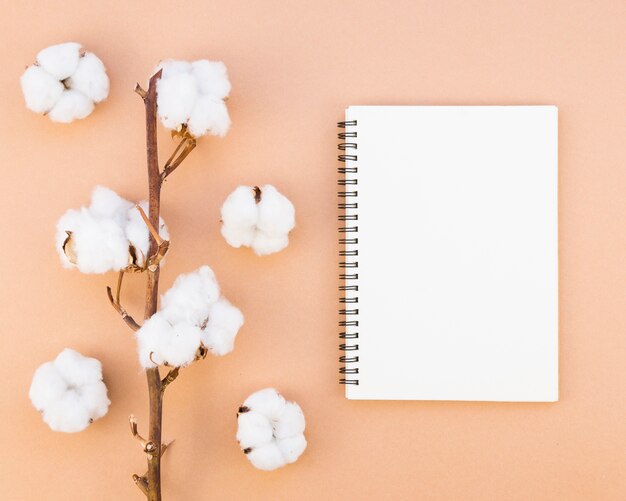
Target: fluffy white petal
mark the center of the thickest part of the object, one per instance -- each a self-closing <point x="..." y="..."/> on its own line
<point x="267" y="402"/>
<point x="76" y="369"/>
<point x="105" y="203"/>
<point x="263" y="244"/>
<point x="238" y="236"/>
<point x="90" y="78"/>
<point x="267" y="457"/>
<point x="290" y="423"/>
<point x="72" y="105"/>
<point x="212" y="78"/>
<point x="41" y="90"/>
<point x="191" y="296"/>
<point x="47" y="386"/>
<point x="253" y="430"/>
<point x="95" y="399"/>
<point x="292" y="447"/>
<point x="68" y="415"/>
<point x="276" y="212"/>
<point x="240" y="208"/>
<point x="176" y="98"/>
<point x="60" y="60"/>
<point x="225" y="320"/>
<point x="172" y="67"/>
<point x="209" y="116"/>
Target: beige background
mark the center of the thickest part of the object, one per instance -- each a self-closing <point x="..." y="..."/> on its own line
<point x="294" y="67"/>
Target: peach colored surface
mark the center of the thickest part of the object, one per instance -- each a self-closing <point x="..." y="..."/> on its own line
<point x="294" y="67"/>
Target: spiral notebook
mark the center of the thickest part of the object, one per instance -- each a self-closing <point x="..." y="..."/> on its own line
<point x="449" y="265"/>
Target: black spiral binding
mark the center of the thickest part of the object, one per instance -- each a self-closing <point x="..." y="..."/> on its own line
<point x="348" y="264"/>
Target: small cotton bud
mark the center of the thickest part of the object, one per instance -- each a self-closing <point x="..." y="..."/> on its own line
<point x="65" y="83"/>
<point x="271" y="431"/>
<point x="260" y="218"/>
<point x="69" y="392"/>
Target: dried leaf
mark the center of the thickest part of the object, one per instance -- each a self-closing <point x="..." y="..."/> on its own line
<point x="68" y="248"/>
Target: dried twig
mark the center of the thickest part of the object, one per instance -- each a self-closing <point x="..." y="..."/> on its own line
<point x="115" y="302"/>
<point x="171" y="376"/>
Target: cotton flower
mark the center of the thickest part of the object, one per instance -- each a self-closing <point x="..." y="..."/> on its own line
<point x="193" y="315"/>
<point x="270" y="430"/>
<point x="65" y="83"/>
<point x="108" y="235"/>
<point x="260" y="218"/>
<point x="69" y="392"/>
<point x="192" y="95"/>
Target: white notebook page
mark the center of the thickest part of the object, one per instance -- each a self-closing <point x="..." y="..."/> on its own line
<point x="458" y="264"/>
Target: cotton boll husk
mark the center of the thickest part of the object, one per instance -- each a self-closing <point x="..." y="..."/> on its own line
<point x="225" y="320"/>
<point x="100" y="245"/>
<point x="190" y="297"/>
<point x="267" y="457"/>
<point x="41" y="90"/>
<point x="176" y="97"/>
<point x="240" y="208"/>
<point x="253" y="430"/>
<point x="267" y="402"/>
<point x="291" y="421"/>
<point x="60" y="60"/>
<point x="264" y="244"/>
<point x="238" y="236"/>
<point x="68" y="414"/>
<point x="209" y="116"/>
<point x="90" y="78"/>
<point x="76" y="369"/>
<point x="95" y="399"/>
<point x="106" y="203"/>
<point x="276" y="212"/>
<point x="172" y="67"/>
<point x="70" y="221"/>
<point x="47" y="386"/>
<point x="292" y="447"/>
<point x="212" y="78"/>
<point x="72" y="105"/>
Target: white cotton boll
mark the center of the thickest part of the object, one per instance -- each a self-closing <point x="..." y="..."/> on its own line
<point x="240" y="208"/>
<point x="90" y="78"/>
<point x="41" y="90"/>
<point x="172" y="67"/>
<point x="176" y="97"/>
<point x="225" y="320"/>
<point x="47" y="386"/>
<point x="190" y="297"/>
<point x="276" y="212"/>
<point x="100" y="245"/>
<point x="212" y="78"/>
<point x="68" y="415"/>
<point x="253" y="430"/>
<point x="263" y="244"/>
<point x="267" y="458"/>
<point x="292" y="447"/>
<point x="60" y="60"/>
<point x="76" y="369"/>
<point x="72" y="105"/>
<point x="238" y="236"/>
<point x="69" y="392"/>
<point x="291" y="421"/>
<point x="267" y="402"/>
<point x="268" y="408"/>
